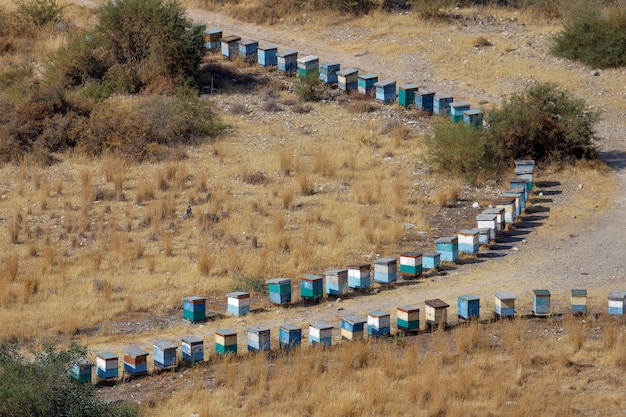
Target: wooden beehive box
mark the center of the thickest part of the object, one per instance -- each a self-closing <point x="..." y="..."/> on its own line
<point x="135" y="361"/>
<point x="366" y="84"/>
<point x="408" y="318"/>
<point x="523" y="183"/>
<point x="541" y="302"/>
<point x="617" y="301"/>
<point x="484" y="236"/>
<point x="107" y="365"/>
<point x="436" y="313"/>
<point x="456" y="110"/>
<point x="268" y="56"/>
<point x="385" y="91"/>
<point x="448" y="248"/>
<point x="424" y="100"/>
<point x="225" y="341"/>
<point x="279" y="290"/>
<point x="80" y="370"/>
<point x="359" y="276"/>
<point x="468" y="307"/>
<point x="441" y="104"/>
<point x="431" y="260"/>
<point x="473" y="117"/>
<point x="406" y="94"/>
<point x="505" y="304"/>
<point x="386" y="270"/>
<point x="287" y="61"/>
<point x="312" y="287"/>
<point x="164" y="354"/>
<point x="289" y="336"/>
<point x="212" y="39"/>
<point x="194" y="308"/>
<point x="500" y="215"/>
<point x="352" y="327"/>
<point x="328" y="72"/>
<point x="230" y="46"/>
<point x="336" y="282"/>
<point x="578" y="300"/>
<point x="490" y="221"/>
<point x="248" y="50"/>
<point x="411" y="265"/>
<point x="321" y="333"/>
<point x="347" y="79"/>
<point x="308" y="66"/>
<point x="378" y="323"/>
<point x="259" y="338"/>
<point x="518" y="194"/>
<point x="468" y="241"/>
<point x="238" y="303"/>
<point x="192" y="348"/>
<point x="510" y="210"/>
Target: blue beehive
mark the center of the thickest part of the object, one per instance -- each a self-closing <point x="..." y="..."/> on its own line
<point x="336" y="282"/>
<point x="406" y="94"/>
<point x="230" y="46"/>
<point x="468" y="307"/>
<point x="258" y="338"/>
<point x="238" y="303"/>
<point x="408" y="318"/>
<point x="484" y="235"/>
<point x="328" y="72"/>
<point x="448" y="248"/>
<point x="212" y="39"/>
<point x="308" y="66"/>
<point x="490" y="221"/>
<point x="499" y="213"/>
<point x="579" y="301"/>
<point x="385" y="91"/>
<point x="473" y="117"/>
<point x="194" y="308"/>
<point x="248" y="50"/>
<point x="541" y="302"/>
<point x="289" y="337"/>
<point x="617" y="301"/>
<point x="80" y="370"/>
<point x="107" y="365"/>
<point x="385" y="270"/>
<point x="456" y="110"/>
<point x="424" y="100"/>
<point x="225" y="341"/>
<point x="505" y="304"/>
<point x="431" y="260"/>
<point x="411" y="264"/>
<point x="468" y="241"/>
<point x="518" y="194"/>
<point x="365" y="84"/>
<point x="352" y="327"/>
<point x="320" y="333"/>
<point x="348" y="79"/>
<point x="279" y="290"/>
<point x="312" y="287"/>
<point x="378" y="323"/>
<point x="523" y="183"/>
<point x="192" y="349"/>
<point x="288" y="61"/>
<point x="359" y="276"/>
<point x="135" y="361"/>
<point x="268" y="56"/>
<point x="441" y="104"/>
<point x="164" y="354"/>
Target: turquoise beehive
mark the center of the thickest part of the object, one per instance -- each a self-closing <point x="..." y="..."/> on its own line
<point x="456" y="110"/>
<point x="366" y="84"/>
<point x="541" y="302"/>
<point x="441" y="104"/>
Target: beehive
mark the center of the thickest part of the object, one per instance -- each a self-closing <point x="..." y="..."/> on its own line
<point x="225" y="341"/>
<point x="456" y="110"/>
<point x="248" y="50"/>
<point x="500" y="215"/>
<point x="406" y="94"/>
<point x="352" y="327"/>
<point x="448" y="248"/>
<point x="107" y="365"/>
<point x="336" y="282"/>
<point x="490" y="221"/>
<point x="312" y="287"/>
<point x="523" y="183"/>
<point x="328" y="72"/>
<point x="431" y="260"/>
<point x="289" y="336"/>
<point x="518" y="194"/>
<point x="238" y="303"/>
<point x="378" y="323"/>
<point x="279" y="290"/>
<point x="359" y="276"/>
<point x="579" y="301"/>
<point x="320" y="333"/>
<point x="505" y="304"/>
<point x="164" y="354"/>
<point x="366" y="84"/>
<point x="230" y="46"/>
<point x="468" y="307"/>
<point x="541" y="302"/>
<point x="348" y="79"/>
<point x="288" y="61"/>
<point x="212" y="39"/>
<point x="135" y="361"/>
<point x="192" y="349"/>
<point x="525" y="164"/>
<point x="408" y="318"/>
<point x="259" y="338"/>
<point x="524" y="169"/>
<point x="436" y="313"/>
<point x="80" y="370"/>
<point x="411" y="264"/>
<point x="308" y="66"/>
<point x="268" y="56"/>
<point x="468" y="241"/>
<point x="510" y="210"/>
<point x="441" y="104"/>
<point x="484" y="235"/>
<point x="194" y="308"/>
<point x="424" y="100"/>
<point x="473" y="117"/>
<point x="617" y="300"/>
<point x="385" y="270"/>
<point x="385" y="91"/>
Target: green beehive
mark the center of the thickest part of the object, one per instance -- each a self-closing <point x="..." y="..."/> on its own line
<point x="406" y="94"/>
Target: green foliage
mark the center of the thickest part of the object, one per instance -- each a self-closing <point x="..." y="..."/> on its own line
<point x="41" y="387"/>
<point x="40" y="12"/>
<point x="430" y="9"/>
<point x="355" y="7"/>
<point x="594" y="40"/>
<point x="309" y="88"/>
<point x="246" y="283"/>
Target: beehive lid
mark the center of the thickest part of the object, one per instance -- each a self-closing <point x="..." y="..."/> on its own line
<point x="579" y="292"/>
<point x="542" y="293"/>
<point x="238" y="294"/>
<point x="424" y="93"/>
<point x="191" y="339"/>
<point x="330" y="64"/>
<point x="347" y="71"/>
<point x="431" y="254"/>
<point x="213" y="31"/>
<point x="504" y="200"/>
<point x="225" y="332"/>
<point x="468" y="297"/>
<point x="258" y="328"/>
<point x="287" y="52"/>
<point x="354" y="319"/>
<point x="278" y="281"/>
<point x="447" y="239"/>
<point x="231" y="38"/>
<point x="409" y="87"/>
<point x="493" y="210"/>
<point x="336" y="272"/>
<point x="82" y="363"/>
<point x="515" y="190"/>
<point x="617" y="295"/>
<point x="469" y="232"/>
<point x="460" y="104"/>
<point x="378" y="313"/>
<point x="519" y="181"/>
<point x="505" y="295"/>
<point x="412" y="254"/>
<point x="485" y="217"/>
<point x="194" y="298"/>
<point x="107" y="355"/>
<point x="321" y="324"/>
<point x="248" y="42"/>
<point x="368" y="76"/>
<point x="436" y="303"/>
<point x="524" y="162"/>
<point x="311" y="277"/>
<point x="473" y="112"/>
<point x="360" y="266"/>
<point x="289" y="327"/>
<point x="135" y="351"/>
<point x="267" y="47"/>
<point x="385" y="261"/>
<point x="408" y="308"/>
<point x="444" y="97"/>
<point x="164" y="344"/>
<point x="384" y="83"/>
<point x="308" y="58"/>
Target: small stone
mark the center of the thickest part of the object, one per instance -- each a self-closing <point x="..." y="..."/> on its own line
<point x="540" y="194"/>
<point x="523" y="240"/>
<point x="515" y="248"/>
<point x="339" y="300"/>
<point x="595" y="73"/>
<point x="580" y="186"/>
<point x="339" y="308"/>
<point x="573" y="217"/>
<point x="476" y="205"/>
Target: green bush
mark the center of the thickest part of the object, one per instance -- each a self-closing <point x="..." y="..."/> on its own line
<point x="355" y="7"/>
<point x="309" y="88"/>
<point x="40" y="12"/>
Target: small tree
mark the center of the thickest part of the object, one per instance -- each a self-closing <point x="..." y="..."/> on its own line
<point x="40" y="12"/>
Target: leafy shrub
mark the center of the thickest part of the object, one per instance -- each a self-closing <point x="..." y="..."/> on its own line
<point x="355" y="7"/>
<point x="430" y="10"/>
<point x="308" y="88"/>
<point x="247" y="283"/>
<point x="40" y="12"/>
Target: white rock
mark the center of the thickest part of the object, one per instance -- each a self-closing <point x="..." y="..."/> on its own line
<point x="476" y="205"/>
<point x="515" y="248"/>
